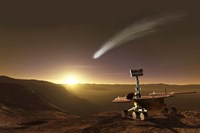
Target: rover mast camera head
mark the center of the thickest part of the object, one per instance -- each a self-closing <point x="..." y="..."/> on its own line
<point x="136" y="72"/>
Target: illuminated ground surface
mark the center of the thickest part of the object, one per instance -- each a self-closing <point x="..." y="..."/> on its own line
<point x="106" y="122"/>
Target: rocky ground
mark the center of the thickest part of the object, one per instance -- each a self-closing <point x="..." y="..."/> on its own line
<point x="108" y="122"/>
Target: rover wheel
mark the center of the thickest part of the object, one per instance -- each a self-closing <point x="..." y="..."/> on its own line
<point x="124" y="114"/>
<point x="173" y="111"/>
<point x="165" y="111"/>
<point x="143" y="116"/>
<point x="134" y="115"/>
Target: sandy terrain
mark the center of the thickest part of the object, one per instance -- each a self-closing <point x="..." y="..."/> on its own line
<point x="109" y="122"/>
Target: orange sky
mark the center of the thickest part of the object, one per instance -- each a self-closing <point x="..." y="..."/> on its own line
<point x="50" y="40"/>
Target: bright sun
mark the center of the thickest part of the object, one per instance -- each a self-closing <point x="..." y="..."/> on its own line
<point x="71" y="80"/>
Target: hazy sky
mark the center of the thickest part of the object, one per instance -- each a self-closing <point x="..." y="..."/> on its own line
<point x="48" y="40"/>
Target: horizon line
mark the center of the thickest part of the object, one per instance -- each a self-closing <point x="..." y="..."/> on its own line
<point x="101" y="83"/>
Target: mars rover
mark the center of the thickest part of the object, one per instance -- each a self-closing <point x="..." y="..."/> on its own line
<point x="144" y="102"/>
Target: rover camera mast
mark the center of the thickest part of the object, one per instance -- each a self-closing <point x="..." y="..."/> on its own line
<point x="136" y="74"/>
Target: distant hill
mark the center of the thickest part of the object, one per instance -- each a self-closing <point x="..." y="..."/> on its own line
<point x="41" y="95"/>
<point x="19" y="96"/>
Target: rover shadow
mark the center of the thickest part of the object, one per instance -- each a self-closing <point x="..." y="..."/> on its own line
<point x="169" y="122"/>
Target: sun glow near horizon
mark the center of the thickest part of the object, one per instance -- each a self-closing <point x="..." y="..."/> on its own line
<point x="70" y="80"/>
<point x="73" y="78"/>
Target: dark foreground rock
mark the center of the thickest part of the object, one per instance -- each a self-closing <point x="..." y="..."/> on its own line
<point x="108" y="122"/>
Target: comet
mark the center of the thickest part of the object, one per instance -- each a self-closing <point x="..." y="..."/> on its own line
<point x="135" y="31"/>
